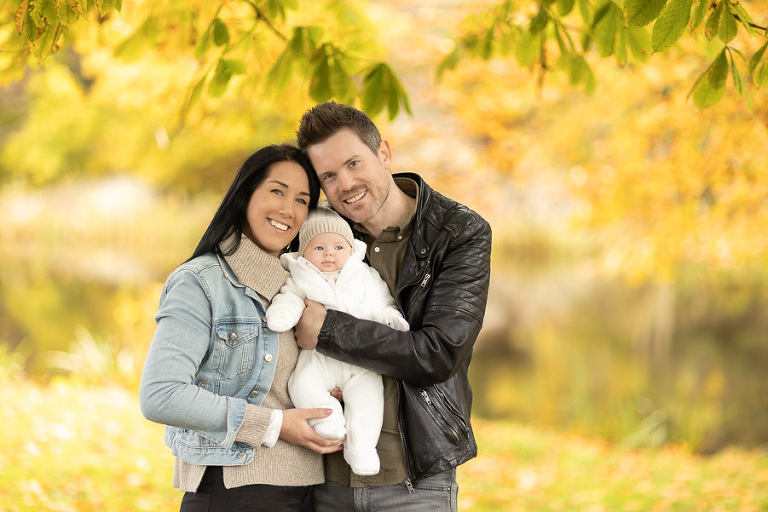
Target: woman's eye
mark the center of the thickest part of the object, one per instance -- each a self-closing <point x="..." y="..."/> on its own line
<point x="338" y="247"/>
<point x="302" y="201"/>
<point x="277" y="191"/>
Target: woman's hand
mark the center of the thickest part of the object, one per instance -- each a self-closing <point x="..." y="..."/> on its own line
<point x="296" y="430"/>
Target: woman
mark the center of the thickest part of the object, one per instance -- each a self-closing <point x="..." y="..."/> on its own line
<point x="215" y="374"/>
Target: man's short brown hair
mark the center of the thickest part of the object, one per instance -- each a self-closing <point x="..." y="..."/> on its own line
<point x="324" y="120"/>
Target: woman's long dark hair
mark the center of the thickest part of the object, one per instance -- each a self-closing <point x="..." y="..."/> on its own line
<point x="231" y="215"/>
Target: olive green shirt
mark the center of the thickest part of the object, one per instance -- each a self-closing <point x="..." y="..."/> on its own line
<point x="385" y="254"/>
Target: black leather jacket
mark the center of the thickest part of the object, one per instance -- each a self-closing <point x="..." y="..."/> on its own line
<point x="442" y="289"/>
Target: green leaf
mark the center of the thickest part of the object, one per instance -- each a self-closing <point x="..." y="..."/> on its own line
<point x="203" y="43"/>
<point x="196" y="91"/>
<point x="220" y="33"/>
<point x="585" y="10"/>
<point x="639" y="39"/>
<point x="486" y="44"/>
<point x="382" y="88"/>
<point x="373" y="91"/>
<point x="24" y="24"/>
<point x="528" y="49"/>
<point x="622" y="55"/>
<point x="450" y="61"/>
<point x="43" y="13"/>
<point x="670" y="24"/>
<point x="727" y="28"/>
<point x="48" y="41"/>
<point x="342" y="86"/>
<point x="105" y="6"/>
<point x="757" y="57"/>
<point x="320" y="81"/>
<point x="236" y="67"/>
<point x="68" y="12"/>
<point x="560" y="41"/>
<point x="738" y="81"/>
<point x="564" y="7"/>
<point x="303" y="43"/>
<point x="705" y="95"/>
<point x="539" y="22"/>
<point x="760" y="76"/>
<point x="698" y="14"/>
<point x="641" y="12"/>
<point x="604" y="30"/>
<point x="713" y="22"/>
<point x="280" y="72"/>
<point x="718" y="71"/>
<point x="220" y="80"/>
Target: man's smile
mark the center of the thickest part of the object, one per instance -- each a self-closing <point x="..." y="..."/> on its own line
<point x="356" y="197"/>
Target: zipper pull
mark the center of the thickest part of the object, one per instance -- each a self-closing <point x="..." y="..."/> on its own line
<point x="426" y="397"/>
<point x="409" y="485"/>
<point x="426" y="280"/>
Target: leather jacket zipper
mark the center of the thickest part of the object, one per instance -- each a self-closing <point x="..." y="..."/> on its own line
<point x="455" y="412"/>
<point x="408" y="478"/>
<point x="440" y="417"/>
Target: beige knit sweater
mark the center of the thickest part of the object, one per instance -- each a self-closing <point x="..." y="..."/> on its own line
<point x="283" y="464"/>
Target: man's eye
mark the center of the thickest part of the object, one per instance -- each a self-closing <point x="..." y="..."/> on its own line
<point x="354" y="163"/>
<point x="328" y="177"/>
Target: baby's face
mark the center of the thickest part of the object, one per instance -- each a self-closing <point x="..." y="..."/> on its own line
<point x="328" y="251"/>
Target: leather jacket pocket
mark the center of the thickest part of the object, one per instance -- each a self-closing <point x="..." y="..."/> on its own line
<point x="446" y="416"/>
<point x="234" y="350"/>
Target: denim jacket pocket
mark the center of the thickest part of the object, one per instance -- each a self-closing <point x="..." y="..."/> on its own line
<point x="234" y="348"/>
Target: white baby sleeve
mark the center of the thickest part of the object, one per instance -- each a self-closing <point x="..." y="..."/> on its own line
<point x="286" y="309"/>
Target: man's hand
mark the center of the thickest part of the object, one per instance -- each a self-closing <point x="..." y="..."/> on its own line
<point x="309" y="326"/>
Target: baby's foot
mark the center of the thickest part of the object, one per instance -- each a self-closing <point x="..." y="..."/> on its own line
<point x="363" y="462"/>
<point x="331" y="430"/>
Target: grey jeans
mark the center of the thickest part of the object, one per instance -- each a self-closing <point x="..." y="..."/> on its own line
<point x="437" y="493"/>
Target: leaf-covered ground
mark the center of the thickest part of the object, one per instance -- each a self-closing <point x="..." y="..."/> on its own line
<point x="67" y="446"/>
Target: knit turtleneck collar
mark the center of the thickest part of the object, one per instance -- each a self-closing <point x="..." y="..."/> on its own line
<point x="254" y="268"/>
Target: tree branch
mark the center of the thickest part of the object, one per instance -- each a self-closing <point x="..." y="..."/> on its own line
<point x="260" y="16"/>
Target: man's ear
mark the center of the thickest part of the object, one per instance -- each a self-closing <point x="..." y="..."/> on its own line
<point x="385" y="154"/>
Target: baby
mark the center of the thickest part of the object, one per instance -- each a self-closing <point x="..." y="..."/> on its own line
<point x="329" y="269"/>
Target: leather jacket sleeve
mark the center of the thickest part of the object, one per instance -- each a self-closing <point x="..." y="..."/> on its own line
<point x="443" y="289"/>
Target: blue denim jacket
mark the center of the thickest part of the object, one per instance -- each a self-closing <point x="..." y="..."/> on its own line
<point x="212" y="353"/>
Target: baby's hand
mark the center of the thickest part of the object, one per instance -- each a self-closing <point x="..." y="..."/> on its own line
<point x="279" y="320"/>
<point x="396" y="321"/>
<point x="337" y="394"/>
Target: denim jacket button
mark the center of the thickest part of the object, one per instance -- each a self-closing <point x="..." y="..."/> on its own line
<point x="233" y="336"/>
<point x="268" y="358"/>
<point x="241" y="455"/>
<point x="254" y="394"/>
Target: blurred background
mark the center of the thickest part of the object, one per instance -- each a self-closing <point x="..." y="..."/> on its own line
<point x="628" y="302"/>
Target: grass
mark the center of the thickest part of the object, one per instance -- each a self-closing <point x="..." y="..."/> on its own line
<point x="71" y="446"/>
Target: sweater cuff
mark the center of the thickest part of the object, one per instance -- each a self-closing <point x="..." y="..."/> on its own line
<point x="255" y="424"/>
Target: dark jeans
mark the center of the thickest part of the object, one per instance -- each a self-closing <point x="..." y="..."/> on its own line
<point x="438" y="493"/>
<point x="212" y="496"/>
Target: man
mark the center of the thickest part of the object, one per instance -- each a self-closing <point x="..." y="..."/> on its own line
<point x="434" y="255"/>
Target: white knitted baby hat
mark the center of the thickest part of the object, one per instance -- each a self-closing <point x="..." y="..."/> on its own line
<point x="323" y="220"/>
